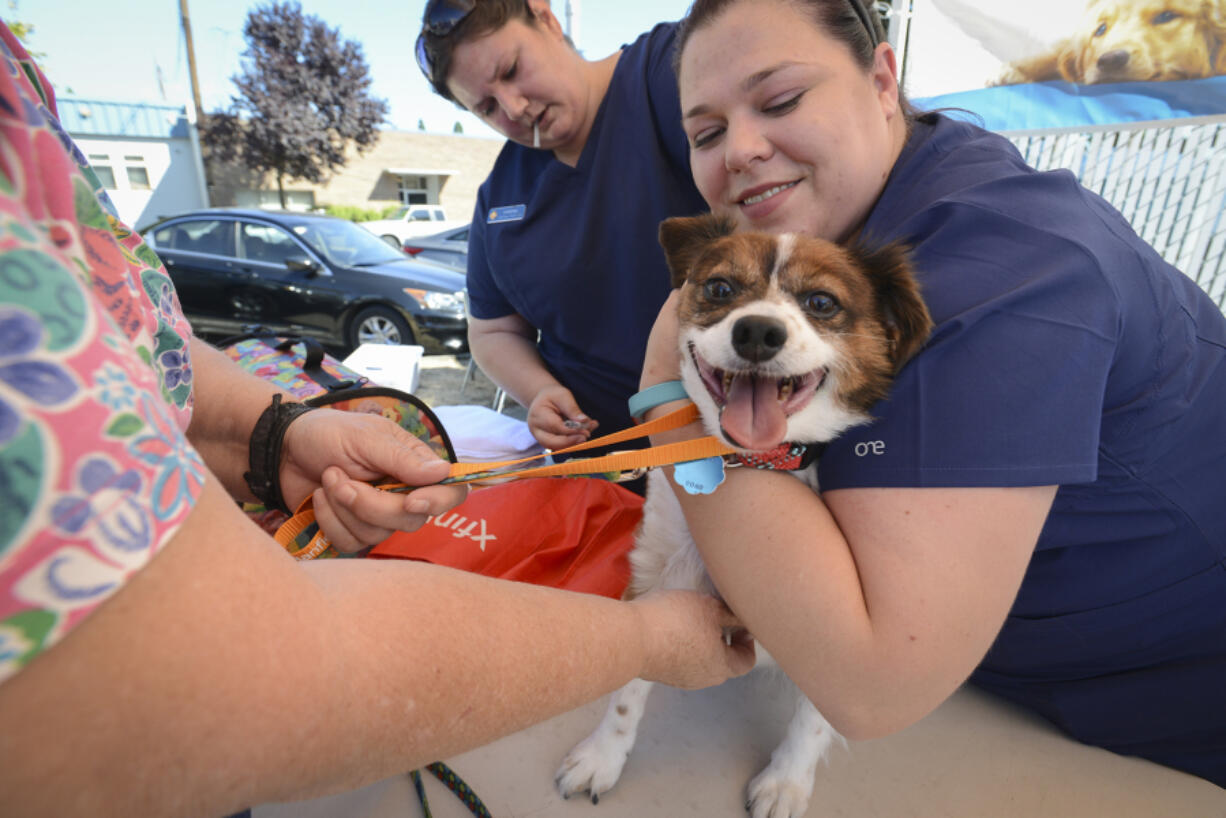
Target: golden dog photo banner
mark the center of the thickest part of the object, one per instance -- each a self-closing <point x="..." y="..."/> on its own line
<point x="1044" y="64"/>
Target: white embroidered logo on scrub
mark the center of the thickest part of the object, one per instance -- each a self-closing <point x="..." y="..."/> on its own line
<point x="867" y="447"/>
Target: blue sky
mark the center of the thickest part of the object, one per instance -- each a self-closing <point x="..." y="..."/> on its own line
<point x="94" y="51"/>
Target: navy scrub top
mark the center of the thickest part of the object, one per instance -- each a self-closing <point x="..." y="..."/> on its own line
<point x="1066" y="351"/>
<point x="574" y="251"/>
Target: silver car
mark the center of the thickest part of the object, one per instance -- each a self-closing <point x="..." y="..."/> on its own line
<point x="448" y="247"/>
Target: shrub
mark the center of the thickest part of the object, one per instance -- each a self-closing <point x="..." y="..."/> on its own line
<point x="357" y="214"/>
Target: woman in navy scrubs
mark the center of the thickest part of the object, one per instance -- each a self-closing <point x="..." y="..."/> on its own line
<point x="565" y="276"/>
<point x="1040" y="504"/>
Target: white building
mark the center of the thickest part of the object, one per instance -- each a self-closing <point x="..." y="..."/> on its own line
<point x="147" y="156"/>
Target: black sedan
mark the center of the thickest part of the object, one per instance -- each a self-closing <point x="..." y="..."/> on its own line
<point x="309" y="275"/>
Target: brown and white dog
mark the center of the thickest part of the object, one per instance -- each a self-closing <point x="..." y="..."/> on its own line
<point x="784" y="340"/>
<point x="1133" y="41"/>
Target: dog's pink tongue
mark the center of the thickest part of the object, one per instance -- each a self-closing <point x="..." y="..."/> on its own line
<point x="753" y="416"/>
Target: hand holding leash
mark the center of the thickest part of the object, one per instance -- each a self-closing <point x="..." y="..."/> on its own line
<point x="555" y="419"/>
<point x="331" y="456"/>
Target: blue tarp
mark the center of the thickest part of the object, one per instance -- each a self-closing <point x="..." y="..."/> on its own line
<point x="1044" y="105"/>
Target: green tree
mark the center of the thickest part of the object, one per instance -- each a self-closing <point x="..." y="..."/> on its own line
<point x="421" y="124"/>
<point x="304" y="98"/>
<point x="458" y="128"/>
<point x="23" y="31"/>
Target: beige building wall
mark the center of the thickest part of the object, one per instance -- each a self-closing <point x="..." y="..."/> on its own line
<point x="366" y="182"/>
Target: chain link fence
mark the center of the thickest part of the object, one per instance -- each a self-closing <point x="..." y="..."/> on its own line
<point x="1169" y="181"/>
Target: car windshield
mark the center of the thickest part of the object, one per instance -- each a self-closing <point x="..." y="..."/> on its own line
<point x="344" y="243"/>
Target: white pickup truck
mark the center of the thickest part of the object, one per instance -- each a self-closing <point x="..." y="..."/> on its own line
<point x="411" y="221"/>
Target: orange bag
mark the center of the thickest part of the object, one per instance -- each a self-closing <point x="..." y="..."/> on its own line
<point x="572" y="533"/>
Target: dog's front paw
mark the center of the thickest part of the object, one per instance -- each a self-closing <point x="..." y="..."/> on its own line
<point x="779" y="793"/>
<point x="594" y="765"/>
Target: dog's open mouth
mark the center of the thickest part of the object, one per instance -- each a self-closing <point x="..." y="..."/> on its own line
<point x="754" y="408"/>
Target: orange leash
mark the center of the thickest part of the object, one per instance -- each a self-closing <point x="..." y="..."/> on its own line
<point x="300" y="534"/>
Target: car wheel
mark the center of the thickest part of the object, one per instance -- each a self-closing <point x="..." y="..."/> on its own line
<point x="379" y="325"/>
<point x="392" y="240"/>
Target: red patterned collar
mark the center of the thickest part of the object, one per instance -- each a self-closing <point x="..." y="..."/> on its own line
<point x="784" y="457"/>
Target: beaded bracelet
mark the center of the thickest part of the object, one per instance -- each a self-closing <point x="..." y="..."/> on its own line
<point x="651" y="397"/>
<point x="264" y="451"/>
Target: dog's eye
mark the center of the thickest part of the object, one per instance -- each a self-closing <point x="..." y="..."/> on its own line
<point x="822" y="304"/>
<point x="1164" y="17"/>
<point x="718" y="289"/>
<point x="1101" y="30"/>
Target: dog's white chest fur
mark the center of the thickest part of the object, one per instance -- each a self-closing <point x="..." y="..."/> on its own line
<point x="664" y="554"/>
<point x="665" y="557"/>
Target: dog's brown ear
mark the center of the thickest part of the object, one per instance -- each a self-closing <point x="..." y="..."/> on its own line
<point x="685" y="237"/>
<point x="903" y="312"/>
<point x="1215" y="27"/>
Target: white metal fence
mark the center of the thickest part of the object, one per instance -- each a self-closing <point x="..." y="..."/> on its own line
<point x="1169" y="181"/>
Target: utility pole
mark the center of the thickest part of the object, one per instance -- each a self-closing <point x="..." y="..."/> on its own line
<point x="191" y="61"/>
<point x="194" y="127"/>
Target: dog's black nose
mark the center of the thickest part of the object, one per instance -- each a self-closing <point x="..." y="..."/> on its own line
<point x="758" y="338"/>
<point x="1113" y="60"/>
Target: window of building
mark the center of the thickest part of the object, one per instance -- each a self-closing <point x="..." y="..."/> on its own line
<point x="138" y="174"/>
<point x="101" y="163"/>
<point x="138" y="179"/>
<point x="414" y="190"/>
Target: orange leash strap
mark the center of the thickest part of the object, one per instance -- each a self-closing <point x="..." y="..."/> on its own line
<point x="300" y="534"/>
<point x="621" y="461"/>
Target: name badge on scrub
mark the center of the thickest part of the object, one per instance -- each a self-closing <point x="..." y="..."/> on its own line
<point x="508" y="213"/>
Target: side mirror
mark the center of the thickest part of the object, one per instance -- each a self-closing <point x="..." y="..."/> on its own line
<point x="303" y="264"/>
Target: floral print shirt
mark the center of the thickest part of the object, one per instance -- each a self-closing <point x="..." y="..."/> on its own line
<point x="96" y="473"/>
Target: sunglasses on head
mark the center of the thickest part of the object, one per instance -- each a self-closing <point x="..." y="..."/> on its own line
<point x="442" y="16"/>
<point x="440" y="19"/>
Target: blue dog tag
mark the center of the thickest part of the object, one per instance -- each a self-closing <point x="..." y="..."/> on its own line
<point x="700" y="476"/>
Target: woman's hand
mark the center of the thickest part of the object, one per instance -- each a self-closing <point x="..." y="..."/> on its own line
<point x="556" y="420"/>
<point x="333" y="455"/>
<point x="684" y="637"/>
<point x="662" y="360"/>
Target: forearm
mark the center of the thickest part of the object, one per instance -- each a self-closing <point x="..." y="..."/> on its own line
<point x="268" y="680"/>
<point x="229" y="401"/>
<point x="794" y="583"/>
<point x="492" y="657"/>
<point x="878" y="603"/>
<point x="512" y="361"/>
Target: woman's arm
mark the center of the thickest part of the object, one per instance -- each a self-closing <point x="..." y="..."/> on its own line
<point x="505" y="349"/>
<point x="226" y="675"/>
<point x="878" y="603"/>
<point x="329" y="454"/>
<point x="228" y="402"/>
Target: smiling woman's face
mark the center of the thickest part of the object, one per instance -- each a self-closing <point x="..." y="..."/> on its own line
<point x="787" y="133"/>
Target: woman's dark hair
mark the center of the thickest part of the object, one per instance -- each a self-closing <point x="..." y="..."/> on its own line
<point x="838" y="18"/>
<point x="486" y="17"/>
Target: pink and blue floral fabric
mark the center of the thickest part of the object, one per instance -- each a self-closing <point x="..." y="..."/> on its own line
<point x="96" y="473"/>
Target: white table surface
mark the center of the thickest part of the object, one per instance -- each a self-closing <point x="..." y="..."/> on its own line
<point x="974" y="757"/>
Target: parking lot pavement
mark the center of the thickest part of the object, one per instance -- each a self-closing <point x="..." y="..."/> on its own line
<point x="441" y="383"/>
